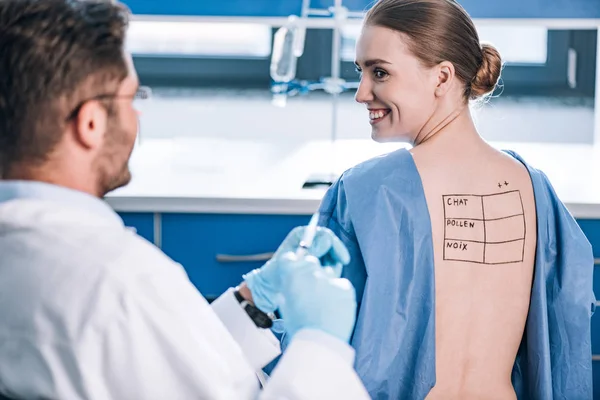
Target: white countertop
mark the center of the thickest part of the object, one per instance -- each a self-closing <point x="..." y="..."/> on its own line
<point x="207" y="175"/>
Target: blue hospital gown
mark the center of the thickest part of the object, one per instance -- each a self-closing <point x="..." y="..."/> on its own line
<point x="379" y="210"/>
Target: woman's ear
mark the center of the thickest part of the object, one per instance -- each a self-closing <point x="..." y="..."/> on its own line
<point x="445" y="77"/>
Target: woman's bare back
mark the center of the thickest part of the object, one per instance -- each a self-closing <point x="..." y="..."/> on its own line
<point x="483" y="218"/>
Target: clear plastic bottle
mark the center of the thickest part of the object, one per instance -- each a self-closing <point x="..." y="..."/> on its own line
<point x="286" y="48"/>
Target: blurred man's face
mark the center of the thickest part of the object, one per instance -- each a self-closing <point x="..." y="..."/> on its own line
<point x="112" y="161"/>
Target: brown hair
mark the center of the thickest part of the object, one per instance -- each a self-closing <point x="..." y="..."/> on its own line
<point x="54" y="54"/>
<point x="441" y="30"/>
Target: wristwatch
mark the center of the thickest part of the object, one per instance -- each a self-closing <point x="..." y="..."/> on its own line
<point x="260" y="319"/>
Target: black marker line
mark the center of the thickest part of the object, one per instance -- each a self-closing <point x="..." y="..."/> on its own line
<point x="484" y="229"/>
<point x="484" y="243"/>
<point x="468" y="261"/>
<point x="444" y="246"/>
<point x="482" y="263"/>
<point x="505" y="262"/>
<point x="524" y="227"/>
<point x="480" y="195"/>
<point x="500" y="219"/>
<point x="487" y="219"/>
<point x="500" y="194"/>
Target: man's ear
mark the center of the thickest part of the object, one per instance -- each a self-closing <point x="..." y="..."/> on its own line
<point x="445" y="77"/>
<point x="91" y="124"/>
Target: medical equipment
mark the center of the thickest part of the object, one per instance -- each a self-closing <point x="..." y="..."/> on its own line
<point x="308" y="237"/>
<point x="283" y="60"/>
<point x="288" y="45"/>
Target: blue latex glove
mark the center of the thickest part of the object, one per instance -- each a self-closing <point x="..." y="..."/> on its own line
<point x="265" y="284"/>
<point x="316" y="298"/>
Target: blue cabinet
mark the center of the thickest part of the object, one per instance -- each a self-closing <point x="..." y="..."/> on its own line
<point x="142" y="222"/>
<point x="591" y="228"/>
<point x="199" y="242"/>
<point x="596" y="318"/>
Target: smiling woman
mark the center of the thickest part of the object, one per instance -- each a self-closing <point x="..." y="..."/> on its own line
<point x="445" y="263"/>
<point x="390" y="33"/>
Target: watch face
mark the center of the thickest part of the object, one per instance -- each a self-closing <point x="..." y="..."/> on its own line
<point x="260" y="319"/>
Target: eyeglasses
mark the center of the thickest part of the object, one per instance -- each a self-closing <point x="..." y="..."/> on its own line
<point x="143" y="93"/>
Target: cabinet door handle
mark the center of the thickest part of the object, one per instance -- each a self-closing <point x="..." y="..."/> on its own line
<point x="227" y="258"/>
<point x="596" y="261"/>
<point x="595" y="357"/>
<point x="572" y="68"/>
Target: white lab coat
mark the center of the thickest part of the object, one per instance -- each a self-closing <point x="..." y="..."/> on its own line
<point x="89" y="310"/>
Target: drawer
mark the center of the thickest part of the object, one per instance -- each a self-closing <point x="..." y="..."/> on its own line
<point x="591" y="228"/>
<point x="596" y="283"/>
<point x="142" y="222"/>
<point x="196" y="241"/>
<point x="596" y="374"/>
<point x="595" y="328"/>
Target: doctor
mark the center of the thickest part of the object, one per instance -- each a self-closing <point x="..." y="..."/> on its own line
<point x="88" y="309"/>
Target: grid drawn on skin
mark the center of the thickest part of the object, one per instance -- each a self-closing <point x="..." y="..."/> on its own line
<point x="484" y="229"/>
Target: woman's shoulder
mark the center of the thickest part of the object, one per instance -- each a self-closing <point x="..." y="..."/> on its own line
<point x="360" y="185"/>
<point x="380" y="166"/>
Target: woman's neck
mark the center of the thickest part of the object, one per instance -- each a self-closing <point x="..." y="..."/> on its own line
<point x="456" y="126"/>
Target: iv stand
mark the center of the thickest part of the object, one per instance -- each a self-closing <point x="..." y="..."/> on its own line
<point x="334" y="85"/>
<point x="335" y="66"/>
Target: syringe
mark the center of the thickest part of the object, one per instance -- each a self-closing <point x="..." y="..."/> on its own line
<point x="308" y="237"/>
